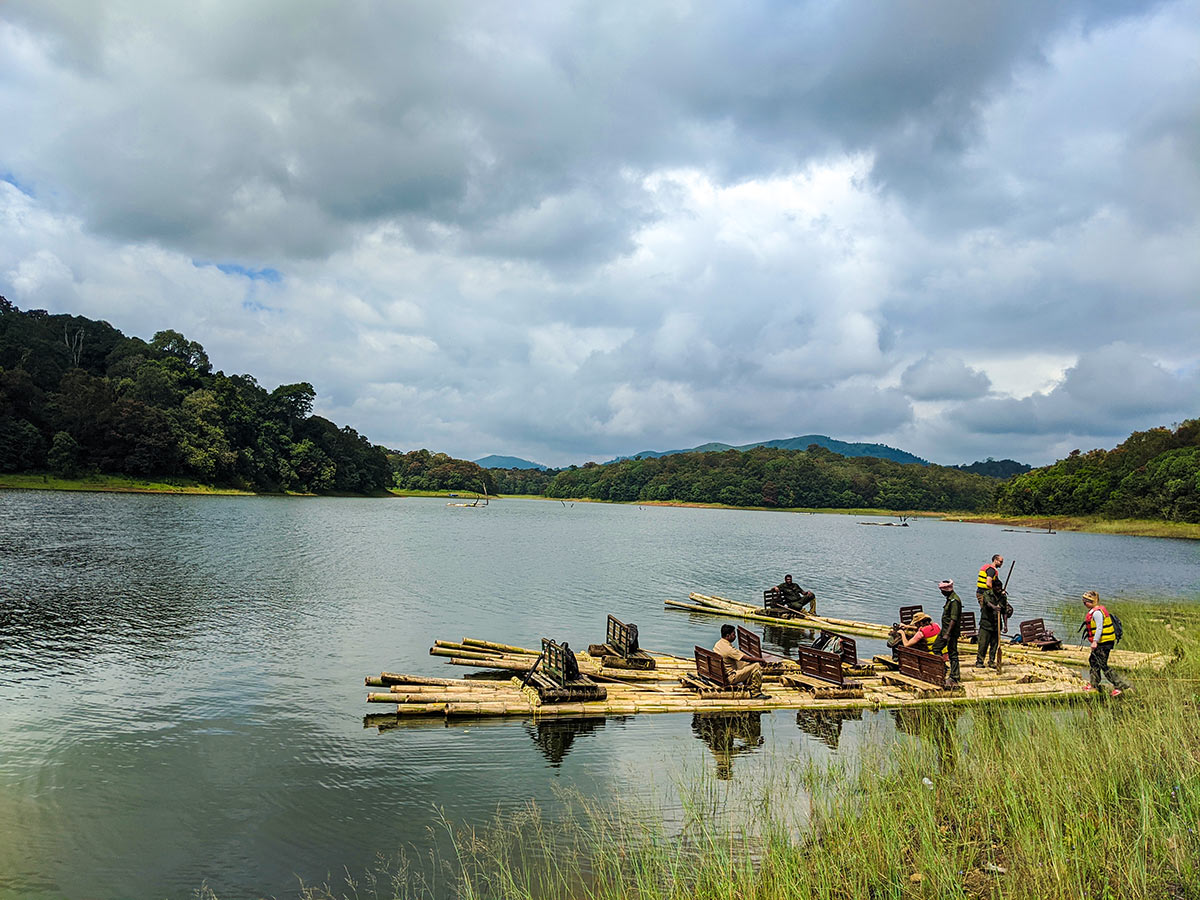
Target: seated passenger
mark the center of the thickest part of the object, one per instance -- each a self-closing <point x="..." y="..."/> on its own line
<point x="795" y="598"/>
<point x="920" y="635"/>
<point x="739" y="667"/>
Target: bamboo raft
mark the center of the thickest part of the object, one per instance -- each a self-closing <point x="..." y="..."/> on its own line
<point x="1069" y="656"/>
<point x="499" y="692"/>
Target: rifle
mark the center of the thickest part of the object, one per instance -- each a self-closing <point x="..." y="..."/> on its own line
<point x="1002" y="619"/>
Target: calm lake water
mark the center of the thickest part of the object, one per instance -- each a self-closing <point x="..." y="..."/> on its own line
<point x="181" y="695"/>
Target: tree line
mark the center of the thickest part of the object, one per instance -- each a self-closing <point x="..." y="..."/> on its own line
<point x="77" y="396"/>
<point x="1153" y="474"/>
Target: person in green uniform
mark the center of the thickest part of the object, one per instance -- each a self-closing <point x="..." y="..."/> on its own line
<point x="989" y="591"/>
<point x="947" y="640"/>
<point x="795" y="597"/>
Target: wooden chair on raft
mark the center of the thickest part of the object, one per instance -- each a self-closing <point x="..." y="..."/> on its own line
<point x="556" y="680"/>
<point x="1034" y="634"/>
<point x="772" y="598"/>
<point x="847" y="647"/>
<point x="907" y="613"/>
<point x="620" y="649"/>
<point x="969" y="632"/>
<point x="821" y="673"/>
<point x="749" y="644"/>
<point x="711" y="680"/>
<point x="921" y="672"/>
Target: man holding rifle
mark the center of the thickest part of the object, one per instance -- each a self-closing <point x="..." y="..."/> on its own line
<point x="993" y="604"/>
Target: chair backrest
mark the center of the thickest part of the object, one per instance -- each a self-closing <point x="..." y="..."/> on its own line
<point x="968" y="628"/>
<point x="822" y="665"/>
<point x="748" y="642"/>
<point x="907" y="613"/>
<point x="620" y="636"/>
<point x="1033" y="630"/>
<point x="849" y="650"/>
<point x="554" y="662"/>
<point x="923" y="666"/>
<point x="710" y="666"/>
<point x="771" y="597"/>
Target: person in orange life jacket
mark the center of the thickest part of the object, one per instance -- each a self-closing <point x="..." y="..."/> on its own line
<point x="951" y="625"/>
<point x="1098" y="626"/>
<point x="923" y="637"/>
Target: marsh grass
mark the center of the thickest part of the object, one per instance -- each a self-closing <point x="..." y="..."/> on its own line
<point x="1014" y="801"/>
<point x="111" y="483"/>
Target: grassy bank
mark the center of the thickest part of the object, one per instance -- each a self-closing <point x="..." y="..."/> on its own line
<point x="1016" y="801"/>
<point x="1094" y="524"/>
<point x="112" y="483"/>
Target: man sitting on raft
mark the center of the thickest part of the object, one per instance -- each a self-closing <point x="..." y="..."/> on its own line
<point x="795" y="598"/>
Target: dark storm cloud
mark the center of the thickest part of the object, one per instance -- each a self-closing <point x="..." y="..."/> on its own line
<point x="1113" y="390"/>
<point x="272" y="129"/>
<point x="941" y="377"/>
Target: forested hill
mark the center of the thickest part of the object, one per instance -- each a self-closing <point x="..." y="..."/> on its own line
<point x="845" y="448"/>
<point x="783" y="478"/>
<point x="1153" y="474"/>
<point x="77" y="395"/>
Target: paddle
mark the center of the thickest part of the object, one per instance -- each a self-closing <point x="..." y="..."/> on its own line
<point x="1000" y="618"/>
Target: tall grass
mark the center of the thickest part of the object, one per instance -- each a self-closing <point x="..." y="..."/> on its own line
<point x="1012" y="801"/>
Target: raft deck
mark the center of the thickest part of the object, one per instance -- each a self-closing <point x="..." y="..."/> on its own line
<point x="662" y="690"/>
<point x="705" y="604"/>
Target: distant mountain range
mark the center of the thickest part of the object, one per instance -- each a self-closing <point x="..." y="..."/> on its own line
<point x="882" y="451"/>
<point x="506" y="462"/>
<point x="995" y="468"/>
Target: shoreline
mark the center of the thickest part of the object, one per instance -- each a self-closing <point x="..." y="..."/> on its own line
<point x="120" y="484"/>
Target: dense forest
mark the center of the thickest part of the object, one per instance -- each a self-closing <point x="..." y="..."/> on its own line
<point x="78" y="396"/>
<point x="782" y="478"/>
<point x="420" y="470"/>
<point x="1154" y="474"/>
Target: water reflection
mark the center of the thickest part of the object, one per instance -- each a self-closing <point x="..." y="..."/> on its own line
<point x="826" y="724"/>
<point x="786" y="640"/>
<point x="555" y="736"/>
<point x="728" y="735"/>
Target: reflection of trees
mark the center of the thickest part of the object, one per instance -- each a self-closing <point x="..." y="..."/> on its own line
<point x="787" y="639"/>
<point x="937" y="726"/>
<point x="826" y="724"/>
<point x="555" y="736"/>
<point x="727" y="735"/>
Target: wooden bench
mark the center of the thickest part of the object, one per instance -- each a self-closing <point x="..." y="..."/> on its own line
<point x="771" y="597"/>
<point x="712" y="681"/>
<point x="1034" y="634"/>
<point x="551" y="682"/>
<point x="969" y="631"/>
<point x="847" y="646"/>
<point x="821" y="673"/>
<point x="620" y="649"/>
<point x="749" y="644"/>
<point x="907" y="613"/>
<point x="922" y="672"/>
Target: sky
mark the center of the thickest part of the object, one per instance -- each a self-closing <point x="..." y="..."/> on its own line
<point x="571" y="230"/>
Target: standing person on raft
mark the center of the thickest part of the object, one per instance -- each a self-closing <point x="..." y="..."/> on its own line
<point x="739" y="666"/>
<point x="1101" y="635"/>
<point x="795" y="597"/>
<point x="951" y="626"/>
<point x="993" y="603"/>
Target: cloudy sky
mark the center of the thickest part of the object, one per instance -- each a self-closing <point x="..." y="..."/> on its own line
<point x="569" y="230"/>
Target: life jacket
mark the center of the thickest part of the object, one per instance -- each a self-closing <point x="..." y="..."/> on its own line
<point x="1108" y="634"/>
<point x="931" y="639"/>
<point x="982" y="583"/>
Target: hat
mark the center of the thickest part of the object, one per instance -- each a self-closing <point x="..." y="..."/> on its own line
<point x="1092" y="595"/>
<point x="947" y="585"/>
<point x="921" y="617"/>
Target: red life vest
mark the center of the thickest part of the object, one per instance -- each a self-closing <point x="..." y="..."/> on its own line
<point x="1108" y="634"/>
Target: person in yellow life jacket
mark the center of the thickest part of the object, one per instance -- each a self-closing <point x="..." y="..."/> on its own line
<point x="1098" y="628"/>
<point x="989" y="591"/>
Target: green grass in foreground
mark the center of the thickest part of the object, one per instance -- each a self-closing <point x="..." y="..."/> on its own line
<point x="1026" y="801"/>
<point x="1094" y="524"/>
<point x="114" y="483"/>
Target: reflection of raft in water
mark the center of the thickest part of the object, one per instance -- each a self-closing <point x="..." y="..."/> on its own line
<point x="670" y="687"/>
<point x="1071" y="656"/>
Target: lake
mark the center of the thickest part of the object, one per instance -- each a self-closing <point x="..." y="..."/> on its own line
<point x="181" y="696"/>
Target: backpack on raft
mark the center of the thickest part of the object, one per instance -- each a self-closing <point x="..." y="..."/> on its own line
<point x="1118" y="631"/>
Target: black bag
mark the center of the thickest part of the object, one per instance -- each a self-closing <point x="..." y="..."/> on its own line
<point x="1118" y="631"/>
<point x="570" y="664"/>
<point x="633" y="640"/>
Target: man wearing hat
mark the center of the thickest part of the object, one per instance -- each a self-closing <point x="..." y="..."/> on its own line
<point x="1101" y="635"/>
<point x="951" y="625"/>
